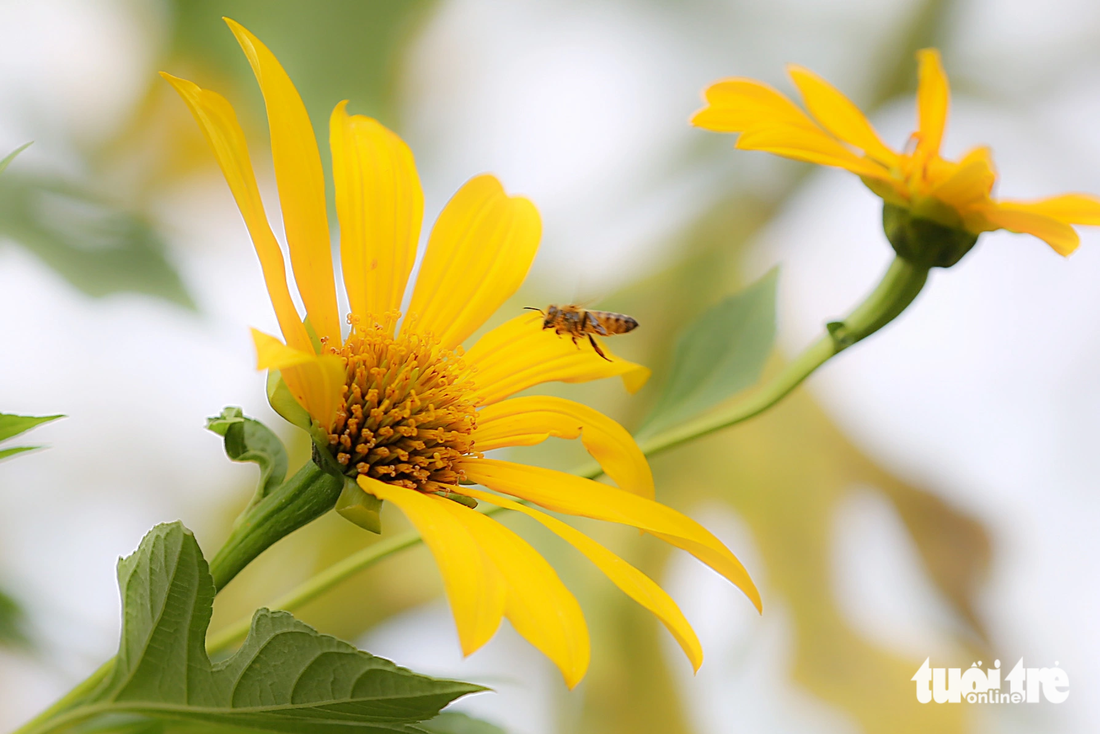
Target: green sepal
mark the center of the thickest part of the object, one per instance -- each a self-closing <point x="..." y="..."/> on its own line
<point x="359" y="507"/>
<point x="928" y="236"/>
<point x="283" y="402"/>
<point x="246" y="439"/>
<point x="457" y="497"/>
<point x="312" y="333"/>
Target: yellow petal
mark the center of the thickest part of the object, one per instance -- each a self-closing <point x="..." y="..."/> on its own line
<point x="537" y="603"/>
<point x="301" y="185"/>
<point x="475" y="588"/>
<point x="1067" y="208"/>
<point x="520" y="353"/>
<point x="970" y="183"/>
<point x="737" y="105"/>
<point x="633" y="582"/>
<point x="529" y="420"/>
<point x="314" y="380"/>
<point x="1015" y="218"/>
<point x="770" y="122"/>
<point x="380" y="205"/>
<point x="220" y="127"/>
<point x="479" y="252"/>
<point x="812" y="146"/>
<point x="933" y="99"/>
<point x="837" y="114"/>
<point x="572" y="495"/>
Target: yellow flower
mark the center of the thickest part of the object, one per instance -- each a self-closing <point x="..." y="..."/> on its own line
<point x="917" y="181"/>
<point x="407" y="413"/>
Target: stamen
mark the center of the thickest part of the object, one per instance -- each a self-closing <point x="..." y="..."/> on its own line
<point x="408" y="407"/>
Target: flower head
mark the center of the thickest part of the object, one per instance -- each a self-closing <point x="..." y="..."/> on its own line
<point x="402" y="409"/>
<point x="927" y="198"/>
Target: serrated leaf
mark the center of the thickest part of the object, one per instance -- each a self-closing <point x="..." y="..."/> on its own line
<point x="11" y="156"/>
<point x="456" y="723"/>
<point x="720" y="354"/>
<point x="12" y="425"/>
<point x="287" y="677"/>
<point x="87" y="239"/>
<point x="246" y="439"/>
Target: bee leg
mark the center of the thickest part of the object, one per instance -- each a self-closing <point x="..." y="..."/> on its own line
<point x="592" y="341"/>
<point x="596" y="325"/>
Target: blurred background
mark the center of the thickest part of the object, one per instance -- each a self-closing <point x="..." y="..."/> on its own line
<point x="930" y="493"/>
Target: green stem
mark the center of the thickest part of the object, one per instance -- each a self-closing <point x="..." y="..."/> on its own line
<point x="300" y="500"/>
<point x="70" y="699"/>
<point x="319" y="584"/>
<point x="897" y="289"/>
<point x="312" y="492"/>
<point x="303" y="498"/>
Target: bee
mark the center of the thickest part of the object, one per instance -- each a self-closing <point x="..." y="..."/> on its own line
<point x="578" y="323"/>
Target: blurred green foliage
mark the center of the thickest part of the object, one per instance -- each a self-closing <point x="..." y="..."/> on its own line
<point x="12" y="630"/>
<point x="718" y="355"/>
<point x="95" y="244"/>
<point x="784" y="473"/>
<point x="352" y="50"/>
<point x="11" y="156"/>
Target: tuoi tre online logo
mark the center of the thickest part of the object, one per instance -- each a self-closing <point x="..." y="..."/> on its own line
<point x="974" y="685"/>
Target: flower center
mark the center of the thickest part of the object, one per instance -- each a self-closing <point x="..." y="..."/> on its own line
<point x="408" y="408"/>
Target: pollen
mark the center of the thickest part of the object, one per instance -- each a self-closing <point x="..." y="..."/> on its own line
<point x="407" y="408"/>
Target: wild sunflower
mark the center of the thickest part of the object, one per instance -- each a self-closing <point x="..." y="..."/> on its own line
<point x="397" y="403"/>
<point x="921" y="190"/>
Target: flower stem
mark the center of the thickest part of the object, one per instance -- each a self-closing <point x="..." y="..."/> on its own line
<point x="319" y="584"/>
<point x="897" y="289"/>
<point x="302" y="499"/>
<point x="73" y="697"/>
<point x="312" y="492"/>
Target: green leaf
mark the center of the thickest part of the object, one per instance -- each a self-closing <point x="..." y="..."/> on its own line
<point x="286" y="677"/>
<point x="13" y="425"/>
<point x="86" y="238"/>
<point x="456" y="723"/>
<point x="134" y="724"/>
<point x="720" y="354"/>
<point x="11" y="156"/>
<point x="5" y="453"/>
<point x="246" y="439"/>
